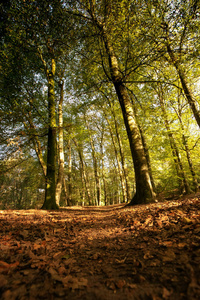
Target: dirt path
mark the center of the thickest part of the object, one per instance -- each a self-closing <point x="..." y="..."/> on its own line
<point x="145" y="252"/>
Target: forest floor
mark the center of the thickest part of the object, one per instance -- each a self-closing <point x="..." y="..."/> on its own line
<point x="116" y="252"/>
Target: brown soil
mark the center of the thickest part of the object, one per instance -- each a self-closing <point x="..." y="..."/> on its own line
<point x="116" y="252"/>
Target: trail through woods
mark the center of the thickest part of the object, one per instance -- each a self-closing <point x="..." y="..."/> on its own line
<point x="142" y="252"/>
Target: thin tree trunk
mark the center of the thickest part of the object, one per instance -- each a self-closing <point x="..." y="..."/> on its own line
<point x="185" y="144"/>
<point x="69" y="173"/>
<point x="193" y="173"/>
<point x="65" y="192"/>
<point x="82" y="190"/>
<point x="188" y="93"/>
<point x="36" y="143"/>
<point x="60" y="146"/>
<point x="102" y="166"/>
<point x="183" y="184"/>
<point x="95" y="167"/>
<point x="121" y="175"/>
<point x="79" y="149"/>
<point x="124" y="168"/>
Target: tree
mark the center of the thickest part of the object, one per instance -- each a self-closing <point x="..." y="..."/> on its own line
<point x="179" y="113"/>
<point x="60" y="177"/>
<point x="175" y="29"/>
<point x="83" y="170"/>
<point x="183" y="185"/>
<point x="95" y="163"/>
<point x="105" y="20"/>
<point x="38" y="30"/>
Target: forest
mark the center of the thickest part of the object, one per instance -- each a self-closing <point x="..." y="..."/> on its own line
<point x="99" y="149"/>
<point x="99" y="102"/>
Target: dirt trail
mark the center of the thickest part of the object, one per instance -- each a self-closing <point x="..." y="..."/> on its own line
<point x="144" y="252"/>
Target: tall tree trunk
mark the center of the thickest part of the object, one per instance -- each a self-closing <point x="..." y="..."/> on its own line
<point x="60" y="146"/>
<point x="95" y="167"/>
<point x="188" y="93"/>
<point x="124" y="168"/>
<point x="80" y="152"/>
<point x="183" y="184"/>
<point x="66" y="200"/>
<point x="144" y="190"/>
<point x="69" y="173"/>
<point x="82" y="193"/>
<point x="193" y="173"/>
<point x="102" y="166"/>
<point x="50" y="187"/>
<point x="146" y="151"/>
<point x="185" y="144"/>
<point x="121" y="175"/>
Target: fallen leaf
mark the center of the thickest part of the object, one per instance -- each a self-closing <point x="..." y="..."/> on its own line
<point x="120" y="283"/>
<point x="166" y="294"/>
<point x="148" y="255"/>
<point x="168" y="256"/>
<point x="5" y="267"/>
<point x="182" y="245"/>
<point x="187" y="220"/>
<point x="54" y="274"/>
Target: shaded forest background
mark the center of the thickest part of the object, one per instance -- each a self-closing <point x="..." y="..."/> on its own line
<point x="72" y="73"/>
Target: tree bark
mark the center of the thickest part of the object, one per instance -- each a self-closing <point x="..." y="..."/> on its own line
<point x="193" y="173"/>
<point x="146" y="151"/>
<point x="79" y="149"/>
<point x="188" y="93"/>
<point x="95" y="167"/>
<point x="69" y="173"/>
<point x="60" y="146"/>
<point x="121" y="175"/>
<point x="102" y="166"/>
<point x="124" y="168"/>
<point x="185" y="144"/>
<point x="66" y="200"/>
<point x="144" y="190"/>
<point x="50" y="186"/>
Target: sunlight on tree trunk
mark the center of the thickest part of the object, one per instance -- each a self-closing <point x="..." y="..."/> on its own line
<point x="60" y="147"/>
<point x="188" y="93"/>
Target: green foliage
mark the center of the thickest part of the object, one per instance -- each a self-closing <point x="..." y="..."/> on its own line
<point x="21" y="187"/>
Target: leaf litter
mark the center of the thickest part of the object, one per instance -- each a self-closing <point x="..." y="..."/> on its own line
<point x="116" y="252"/>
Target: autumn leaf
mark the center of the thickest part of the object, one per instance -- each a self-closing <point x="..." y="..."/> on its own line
<point x="5" y="267"/>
